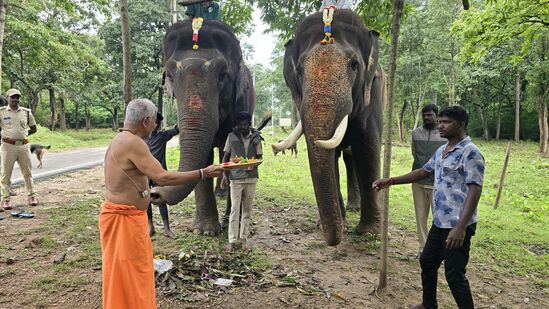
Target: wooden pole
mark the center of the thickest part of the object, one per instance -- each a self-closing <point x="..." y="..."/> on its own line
<point x="502" y="178"/>
<point x="174" y="11"/>
<point x="398" y="6"/>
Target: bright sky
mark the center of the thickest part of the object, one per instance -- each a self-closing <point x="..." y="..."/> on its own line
<point x="263" y="43"/>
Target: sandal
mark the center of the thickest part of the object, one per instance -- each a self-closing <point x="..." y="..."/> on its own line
<point x="22" y="214"/>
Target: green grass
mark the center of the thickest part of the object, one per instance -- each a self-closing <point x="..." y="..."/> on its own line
<point x="514" y="237"/>
<point x="72" y="139"/>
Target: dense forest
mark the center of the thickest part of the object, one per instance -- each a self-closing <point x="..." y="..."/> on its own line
<point x="66" y="57"/>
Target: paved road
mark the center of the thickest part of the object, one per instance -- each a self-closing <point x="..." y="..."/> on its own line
<point x="56" y="163"/>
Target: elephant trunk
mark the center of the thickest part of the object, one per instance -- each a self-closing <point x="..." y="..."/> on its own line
<point x="322" y="167"/>
<point x="197" y="128"/>
<point x="320" y="125"/>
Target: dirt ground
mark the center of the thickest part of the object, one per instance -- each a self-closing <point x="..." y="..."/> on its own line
<point x="342" y="277"/>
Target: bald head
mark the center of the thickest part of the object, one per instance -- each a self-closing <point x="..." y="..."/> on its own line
<point x="139" y="109"/>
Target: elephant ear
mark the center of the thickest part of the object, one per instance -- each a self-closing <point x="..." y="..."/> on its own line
<point x="371" y="57"/>
<point x="244" y="90"/>
<point x="291" y="72"/>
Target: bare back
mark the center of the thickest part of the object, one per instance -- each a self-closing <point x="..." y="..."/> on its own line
<point x="119" y="188"/>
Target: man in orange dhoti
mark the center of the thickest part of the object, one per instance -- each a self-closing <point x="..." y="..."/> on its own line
<point x="128" y="273"/>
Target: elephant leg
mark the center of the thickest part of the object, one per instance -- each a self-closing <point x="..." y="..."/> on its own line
<point x="206" y="220"/>
<point x="353" y="191"/>
<point x="367" y="162"/>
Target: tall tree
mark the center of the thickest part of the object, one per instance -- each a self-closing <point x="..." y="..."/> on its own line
<point x="498" y="23"/>
<point x="126" y="50"/>
<point x="395" y="28"/>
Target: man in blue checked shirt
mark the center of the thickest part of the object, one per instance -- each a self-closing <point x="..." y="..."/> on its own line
<point x="458" y="168"/>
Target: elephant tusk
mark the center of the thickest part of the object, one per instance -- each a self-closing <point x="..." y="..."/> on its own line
<point x="338" y="135"/>
<point x="290" y="140"/>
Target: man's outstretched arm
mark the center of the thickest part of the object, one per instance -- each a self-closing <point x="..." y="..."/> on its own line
<point x="412" y="176"/>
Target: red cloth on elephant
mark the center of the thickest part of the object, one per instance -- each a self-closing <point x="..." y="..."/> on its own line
<point x="127" y="258"/>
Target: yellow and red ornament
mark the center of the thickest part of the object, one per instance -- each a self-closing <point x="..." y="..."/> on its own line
<point x="328" y="17"/>
<point x="197" y="25"/>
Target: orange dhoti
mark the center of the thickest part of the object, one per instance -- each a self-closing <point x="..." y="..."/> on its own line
<point x="128" y="272"/>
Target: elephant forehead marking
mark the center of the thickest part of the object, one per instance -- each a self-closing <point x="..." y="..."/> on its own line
<point x="196" y="103"/>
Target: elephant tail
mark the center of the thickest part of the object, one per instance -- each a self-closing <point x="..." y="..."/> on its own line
<point x="265" y="120"/>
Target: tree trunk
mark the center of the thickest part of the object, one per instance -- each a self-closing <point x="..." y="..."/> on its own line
<point x="34" y="103"/>
<point x="115" y="119"/>
<point x="484" y="120"/>
<point x="161" y="108"/>
<point x="88" y="118"/>
<point x="542" y="109"/>
<point x="452" y="88"/>
<point x="401" y="122"/>
<point x="398" y="6"/>
<point x="542" y="122"/>
<point x="498" y="120"/>
<point x="418" y="113"/>
<point x="2" y="23"/>
<point x="173" y="13"/>
<point x="62" y="115"/>
<point x="53" y="112"/>
<point x="126" y="51"/>
<point x="76" y="125"/>
<point x="517" y="107"/>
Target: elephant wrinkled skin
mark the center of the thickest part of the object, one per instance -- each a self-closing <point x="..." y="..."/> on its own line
<point x="211" y="85"/>
<point x="339" y="90"/>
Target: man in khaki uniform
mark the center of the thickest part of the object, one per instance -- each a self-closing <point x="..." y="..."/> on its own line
<point x="244" y="142"/>
<point x="17" y="123"/>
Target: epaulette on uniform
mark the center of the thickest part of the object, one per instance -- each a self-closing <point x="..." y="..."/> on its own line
<point x="25" y="109"/>
<point x="3" y="107"/>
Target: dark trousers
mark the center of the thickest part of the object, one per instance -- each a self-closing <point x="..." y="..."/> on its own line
<point x="455" y="262"/>
<point x="163" y="211"/>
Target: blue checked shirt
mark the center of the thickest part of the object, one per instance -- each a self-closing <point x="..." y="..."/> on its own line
<point x="463" y="165"/>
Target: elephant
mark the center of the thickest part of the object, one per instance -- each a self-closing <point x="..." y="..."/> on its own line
<point x="211" y="85"/>
<point x="339" y="89"/>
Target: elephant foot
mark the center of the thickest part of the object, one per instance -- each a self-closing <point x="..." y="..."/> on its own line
<point x="206" y="228"/>
<point x="373" y="228"/>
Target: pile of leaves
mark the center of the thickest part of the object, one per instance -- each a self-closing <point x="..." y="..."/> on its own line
<point x="197" y="277"/>
<point x="193" y="276"/>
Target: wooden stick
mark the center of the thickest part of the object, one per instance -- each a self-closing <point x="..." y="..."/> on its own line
<point x="398" y="6"/>
<point x="502" y="178"/>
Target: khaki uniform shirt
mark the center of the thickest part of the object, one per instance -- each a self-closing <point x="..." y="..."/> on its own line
<point x="16" y="124"/>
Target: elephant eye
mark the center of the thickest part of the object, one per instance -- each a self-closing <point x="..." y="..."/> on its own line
<point x="169" y="77"/>
<point x="354" y="65"/>
<point x="222" y="77"/>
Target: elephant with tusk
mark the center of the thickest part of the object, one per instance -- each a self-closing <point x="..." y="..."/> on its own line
<point x="339" y="90"/>
<point x="211" y="85"/>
